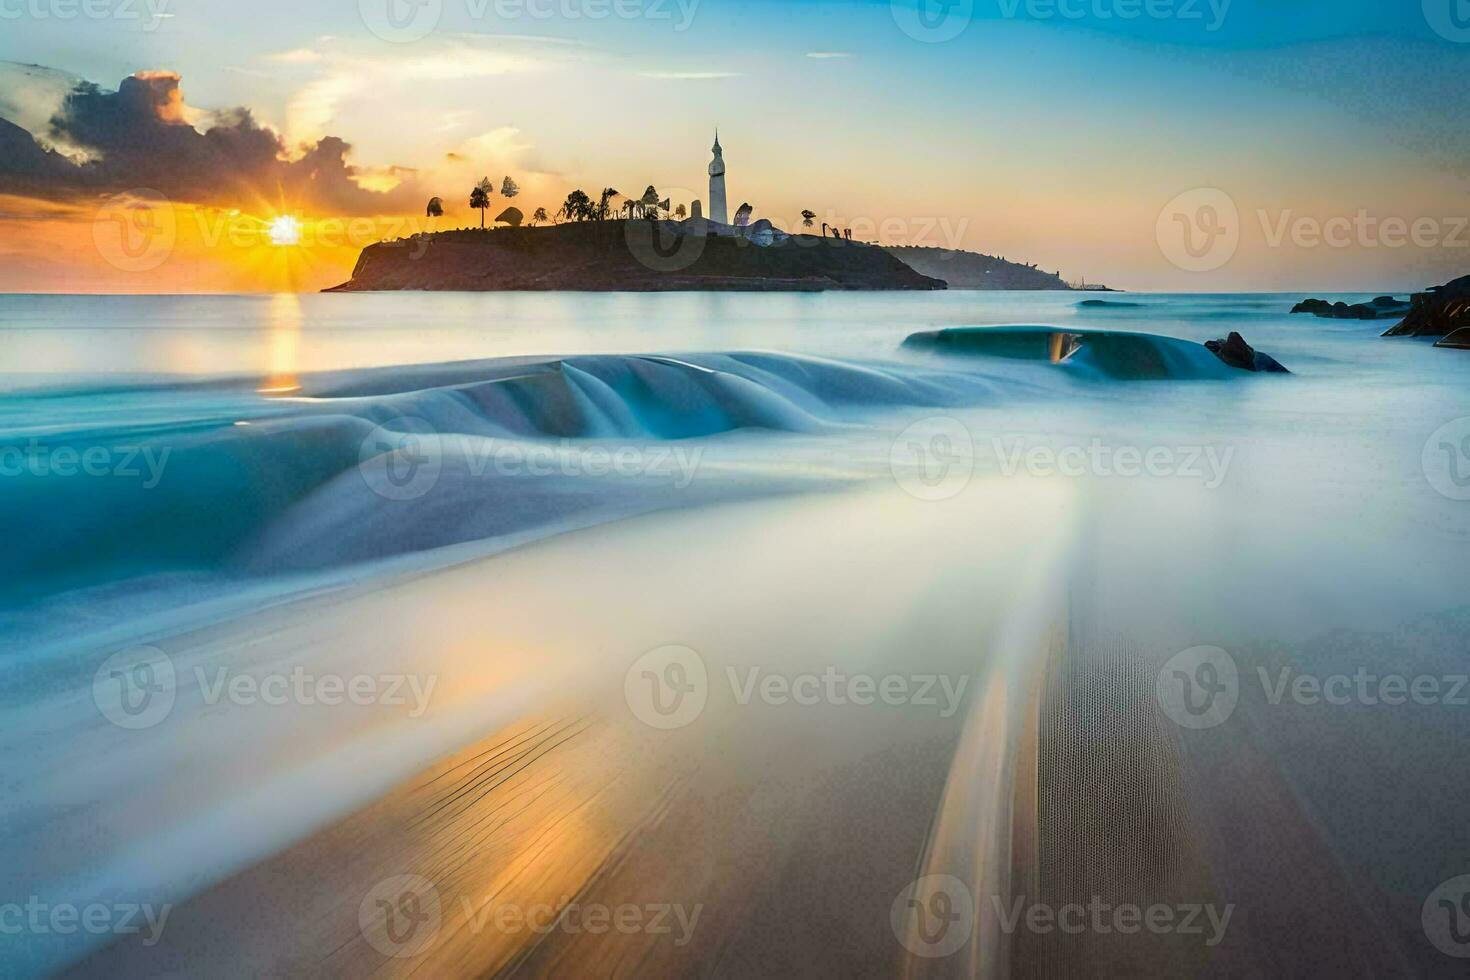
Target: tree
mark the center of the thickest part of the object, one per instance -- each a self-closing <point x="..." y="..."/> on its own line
<point x="509" y="188"/>
<point x="578" y="206"/>
<point x="681" y="212"/>
<point x="742" y="215"/>
<point x="538" y="215"/>
<point x="480" y="197"/>
<point x="608" y="193"/>
<point x="648" y="203"/>
<point x="807" y="217"/>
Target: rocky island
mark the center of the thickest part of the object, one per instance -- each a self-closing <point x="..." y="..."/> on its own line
<point x="638" y="255"/>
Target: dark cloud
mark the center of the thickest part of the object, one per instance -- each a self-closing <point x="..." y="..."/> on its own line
<point x="138" y="137"/>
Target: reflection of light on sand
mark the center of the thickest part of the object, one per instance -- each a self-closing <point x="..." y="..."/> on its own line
<point x="285" y="340"/>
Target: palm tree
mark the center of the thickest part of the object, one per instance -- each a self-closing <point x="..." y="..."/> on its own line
<point x="538" y="215"/>
<point x="807" y="217"/>
<point x="480" y="197"/>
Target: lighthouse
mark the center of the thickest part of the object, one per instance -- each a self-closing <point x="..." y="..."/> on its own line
<point x="719" y="211"/>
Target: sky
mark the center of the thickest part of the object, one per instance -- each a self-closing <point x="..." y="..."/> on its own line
<point x="1190" y="145"/>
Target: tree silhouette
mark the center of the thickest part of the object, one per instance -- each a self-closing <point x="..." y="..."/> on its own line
<point x="648" y="203"/>
<point x="578" y="206"/>
<point x="509" y="188"/>
<point x="538" y="215"/>
<point x="807" y="217"/>
<point x="681" y="212"/>
<point x="480" y="197"/>
<point x="603" y="210"/>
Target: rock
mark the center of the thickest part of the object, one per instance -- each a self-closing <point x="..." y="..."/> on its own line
<point x="1235" y="352"/>
<point x="1456" y="340"/>
<point x="1381" y="307"/>
<point x="510" y="216"/>
<point x="1436" y="312"/>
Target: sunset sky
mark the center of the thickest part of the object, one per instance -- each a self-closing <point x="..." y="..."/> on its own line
<point x="1054" y="133"/>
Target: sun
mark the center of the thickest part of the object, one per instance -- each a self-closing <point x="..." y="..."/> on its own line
<point x="285" y="230"/>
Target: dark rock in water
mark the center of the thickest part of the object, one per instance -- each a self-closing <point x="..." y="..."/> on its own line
<point x="1456" y="340"/>
<point x="1381" y="308"/>
<point x="1235" y="352"/>
<point x="1437" y="312"/>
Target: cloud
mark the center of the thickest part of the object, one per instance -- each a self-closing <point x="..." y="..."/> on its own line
<point x="145" y="136"/>
<point x="823" y="55"/>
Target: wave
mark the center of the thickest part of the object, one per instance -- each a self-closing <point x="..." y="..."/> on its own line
<point x="1104" y="354"/>
<point x="318" y="480"/>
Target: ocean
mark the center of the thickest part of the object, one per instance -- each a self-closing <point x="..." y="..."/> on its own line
<point x="519" y="494"/>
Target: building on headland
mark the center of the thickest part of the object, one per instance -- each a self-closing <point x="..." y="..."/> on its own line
<point x="719" y="210"/>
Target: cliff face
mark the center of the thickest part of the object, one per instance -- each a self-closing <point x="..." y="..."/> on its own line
<point x="1437" y="312"/>
<point x="625" y="255"/>
<point x="972" y="270"/>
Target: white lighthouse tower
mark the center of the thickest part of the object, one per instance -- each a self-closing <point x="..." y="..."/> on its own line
<point x="719" y="210"/>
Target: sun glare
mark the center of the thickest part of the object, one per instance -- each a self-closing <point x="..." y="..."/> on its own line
<point x="285" y="230"/>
